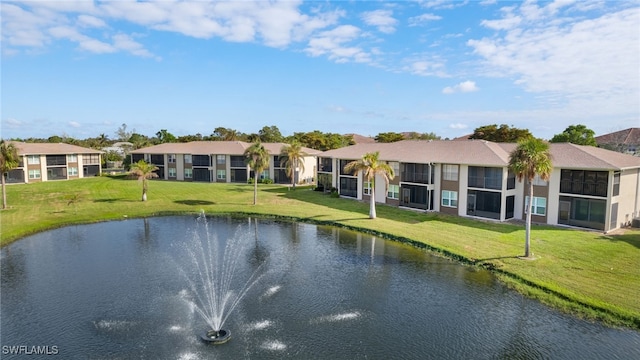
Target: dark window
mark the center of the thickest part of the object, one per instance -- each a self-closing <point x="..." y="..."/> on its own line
<point x="277" y="160"/>
<point x="200" y="160"/>
<point x="510" y="207"/>
<point x="348" y="186"/>
<point x="136" y="157"/>
<point x="280" y="176"/>
<point x="325" y="164"/>
<point x="584" y="182"/>
<point x="616" y="184"/>
<point x="200" y="174"/>
<point x="417" y="173"/>
<point x="415" y="196"/>
<point x="344" y="163"/>
<point x="14" y="176"/>
<point x="511" y="180"/>
<point x="53" y="160"/>
<point x="324" y="182"/>
<point x="238" y="161"/>
<point x="589" y="213"/>
<point x="485" y="177"/>
<point x="239" y="175"/>
<point x="484" y="204"/>
<point x="57" y="173"/>
<point x="157" y="159"/>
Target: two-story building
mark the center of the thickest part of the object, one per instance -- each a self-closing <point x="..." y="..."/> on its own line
<point x="220" y="161"/>
<point x="589" y="187"/>
<point x="53" y="161"/>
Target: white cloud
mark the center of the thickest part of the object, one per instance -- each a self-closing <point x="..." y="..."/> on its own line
<point x="332" y="43"/>
<point x="593" y="62"/>
<point x="422" y="19"/>
<point x="91" y="21"/>
<point x="464" y="87"/>
<point x="458" y="126"/>
<point x="382" y="19"/>
<point x="74" y="124"/>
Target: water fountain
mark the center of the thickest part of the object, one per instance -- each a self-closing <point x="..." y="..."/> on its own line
<point x="214" y="284"/>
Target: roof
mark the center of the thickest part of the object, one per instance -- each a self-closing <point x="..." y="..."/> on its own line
<point x="51" y="149"/>
<point x="213" y="147"/>
<point x="361" y="139"/>
<point x="485" y="153"/>
<point x="629" y="136"/>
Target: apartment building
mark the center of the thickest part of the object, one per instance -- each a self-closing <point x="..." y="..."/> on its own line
<point x="53" y="161"/>
<point x="220" y="161"/>
<point x="589" y="187"/>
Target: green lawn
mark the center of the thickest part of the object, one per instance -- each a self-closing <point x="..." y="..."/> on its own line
<point x="587" y="273"/>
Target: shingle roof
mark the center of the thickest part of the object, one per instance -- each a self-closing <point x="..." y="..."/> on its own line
<point x="213" y="147"/>
<point x="485" y="153"/>
<point x="51" y="149"/>
<point x="629" y="136"/>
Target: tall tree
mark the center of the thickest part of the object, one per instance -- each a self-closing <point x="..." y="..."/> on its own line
<point x="370" y="166"/>
<point x="576" y="134"/>
<point x="504" y="133"/>
<point x="530" y="158"/>
<point x="122" y="134"/>
<point x="224" y="134"/>
<point x="389" y="137"/>
<point x="270" y="134"/>
<point x="293" y="158"/>
<point x="257" y="157"/>
<point x="9" y="160"/>
<point x="144" y="172"/>
<point x="165" y="136"/>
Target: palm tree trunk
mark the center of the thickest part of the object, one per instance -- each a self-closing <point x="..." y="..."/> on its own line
<point x="144" y="190"/>
<point x="293" y="173"/>
<point x="372" y="202"/>
<point x="4" y="194"/>
<point x="527" y="236"/>
<point x="255" y="189"/>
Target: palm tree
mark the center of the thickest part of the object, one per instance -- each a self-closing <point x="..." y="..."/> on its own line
<point x="257" y="157"/>
<point x="9" y="160"/>
<point x="293" y="156"/>
<point x="144" y="171"/>
<point x="370" y="167"/>
<point x="530" y="158"/>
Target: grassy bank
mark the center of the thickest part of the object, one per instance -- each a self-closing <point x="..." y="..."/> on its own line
<point x="587" y="273"/>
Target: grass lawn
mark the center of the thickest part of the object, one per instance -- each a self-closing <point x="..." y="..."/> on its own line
<point x="587" y="273"/>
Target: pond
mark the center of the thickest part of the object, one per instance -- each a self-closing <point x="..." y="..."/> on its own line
<point x="125" y="290"/>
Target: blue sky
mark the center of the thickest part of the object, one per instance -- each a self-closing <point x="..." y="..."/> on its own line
<point x="83" y="68"/>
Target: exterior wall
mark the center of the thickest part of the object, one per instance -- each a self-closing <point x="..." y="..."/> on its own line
<point x="463" y="184"/>
<point x="179" y="165"/>
<point x="553" y="199"/>
<point x="629" y="197"/>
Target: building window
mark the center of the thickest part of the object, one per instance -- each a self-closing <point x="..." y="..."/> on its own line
<point x="34" y="174"/>
<point x="450" y="172"/>
<point x="393" y="192"/>
<point x="366" y="188"/>
<point x="33" y="159"/>
<point x="91" y="159"/>
<point x="221" y="174"/>
<point x="449" y="198"/>
<point x="72" y="158"/>
<point x="72" y="171"/>
<point x="616" y="184"/>
<point x="171" y="158"/>
<point x="188" y="173"/>
<point x="537" y="181"/>
<point x="187" y="158"/>
<point x="221" y="159"/>
<point x="395" y="166"/>
<point x="173" y="172"/>
<point x="538" y="206"/>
